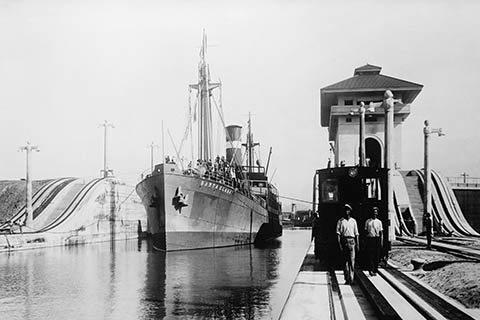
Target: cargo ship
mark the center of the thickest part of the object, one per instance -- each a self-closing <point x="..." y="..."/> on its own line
<point x="211" y="203"/>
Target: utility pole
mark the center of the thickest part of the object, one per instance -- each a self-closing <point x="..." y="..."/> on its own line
<point x="105" y="170"/>
<point x="152" y="146"/>
<point x="28" y="149"/>
<point x="427" y="201"/>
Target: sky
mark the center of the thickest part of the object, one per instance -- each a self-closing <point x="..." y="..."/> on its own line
<point x="66" y="66"/>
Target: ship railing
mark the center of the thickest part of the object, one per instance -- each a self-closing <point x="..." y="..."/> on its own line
<point x="253" y="169"/>
<point x="220" y="178"/>
<point x="214" y="176"/>
<point x="242" y="186"/>
<point x="262" y="201"/>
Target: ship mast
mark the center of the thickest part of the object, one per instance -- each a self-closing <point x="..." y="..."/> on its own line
<point x="250" y="145"/>
<point x="204" y="88"/>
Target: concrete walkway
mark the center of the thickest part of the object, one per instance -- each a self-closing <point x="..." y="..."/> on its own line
<point x="318" y="295"/>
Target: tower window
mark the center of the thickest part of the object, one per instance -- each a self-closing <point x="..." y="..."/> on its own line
<point x="348" y="119"/>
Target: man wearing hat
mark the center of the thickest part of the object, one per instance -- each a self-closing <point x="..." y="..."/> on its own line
<point x="347" y="236"/>
<point x="374" y="240"/>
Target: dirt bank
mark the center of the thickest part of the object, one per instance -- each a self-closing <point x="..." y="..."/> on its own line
<point x="455" y="277"/>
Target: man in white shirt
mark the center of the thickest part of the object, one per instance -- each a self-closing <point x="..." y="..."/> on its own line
<point x="347" y="237"/>
<point x="374" y="240"/>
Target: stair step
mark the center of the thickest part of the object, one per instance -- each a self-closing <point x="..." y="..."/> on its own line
<point x="415" y="197"/>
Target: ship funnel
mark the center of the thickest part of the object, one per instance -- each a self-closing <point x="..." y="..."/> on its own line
<point x="234" y="144"/>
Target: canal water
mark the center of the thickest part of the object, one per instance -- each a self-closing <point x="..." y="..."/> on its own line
<point x="128" y="280"/>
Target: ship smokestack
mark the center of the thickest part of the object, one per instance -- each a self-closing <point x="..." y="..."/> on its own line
<point x="234" y="144"/>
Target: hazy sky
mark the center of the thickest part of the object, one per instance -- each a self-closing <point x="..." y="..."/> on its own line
<point x="66" y="66"/>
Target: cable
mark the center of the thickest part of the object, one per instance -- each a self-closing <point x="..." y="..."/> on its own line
<point x="295" y="199"/>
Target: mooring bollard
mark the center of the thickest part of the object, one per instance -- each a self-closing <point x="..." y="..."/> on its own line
<point x="418" y="264"/>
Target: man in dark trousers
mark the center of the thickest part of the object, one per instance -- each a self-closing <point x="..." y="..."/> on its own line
<point x="374" y="240"/>
<point x="347" y="237"/>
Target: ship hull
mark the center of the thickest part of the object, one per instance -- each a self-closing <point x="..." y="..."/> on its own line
<point x="188" y="212"/>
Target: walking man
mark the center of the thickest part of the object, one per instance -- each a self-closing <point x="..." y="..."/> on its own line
<point x="347" y="236"/>
<point x="374" y="241"/>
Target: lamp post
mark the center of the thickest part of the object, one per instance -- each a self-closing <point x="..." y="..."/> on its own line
<point x="388" y="105"/>
<point x="29" y="208"/>
<point x="361" y="112"/>
<point x="105" y="170"/>
<point x="427" y="201"/>
<point x="464" y="175"/>
<point x="362" y="134"/>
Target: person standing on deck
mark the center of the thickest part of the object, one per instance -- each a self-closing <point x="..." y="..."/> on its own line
<point x="374" y="240"/>
<point x="347" y="237"/>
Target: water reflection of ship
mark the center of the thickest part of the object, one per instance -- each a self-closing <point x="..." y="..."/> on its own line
<point x="226" y="283"/>
<point x="213" y="203"/>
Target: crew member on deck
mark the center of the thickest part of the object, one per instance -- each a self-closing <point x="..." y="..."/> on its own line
<point x="347" y="236"/>
<point x="374" y="240"/>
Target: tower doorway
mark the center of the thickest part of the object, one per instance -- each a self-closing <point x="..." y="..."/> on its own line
<point x="373" y="152"/>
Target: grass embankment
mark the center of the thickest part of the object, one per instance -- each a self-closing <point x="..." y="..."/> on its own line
<point x="12" y="196"/>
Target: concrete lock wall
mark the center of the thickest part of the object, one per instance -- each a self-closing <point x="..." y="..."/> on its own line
<point x="469" y="201"/>
<point x="109" y="211"/>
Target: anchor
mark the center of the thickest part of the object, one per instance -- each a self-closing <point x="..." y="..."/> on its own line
<point x="179" y="200"/>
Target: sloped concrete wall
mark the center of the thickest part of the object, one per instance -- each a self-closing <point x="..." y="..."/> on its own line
<point x="111" y="210"/>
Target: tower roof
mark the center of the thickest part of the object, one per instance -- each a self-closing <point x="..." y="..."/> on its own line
<point x="367" y="69"/>
<point x="366" y="79"/>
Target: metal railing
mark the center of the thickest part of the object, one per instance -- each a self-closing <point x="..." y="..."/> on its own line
<point x="464" y="182"/>
<point x="243" y="186"/>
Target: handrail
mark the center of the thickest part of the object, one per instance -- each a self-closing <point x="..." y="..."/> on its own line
<point x="460" y="218"/>
<point x="453" y="218"/>
<point x="440" y="196"/>
<point x="446" y="200"/>
<point x="402" y="225"/>
<point x="50" y="196"/>
<point x="73" y="205"/>
<point x="36" y="197"/>
<point x="449" y="225"/>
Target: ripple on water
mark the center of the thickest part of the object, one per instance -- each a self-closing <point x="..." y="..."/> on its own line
<point x="126" y="280"/>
